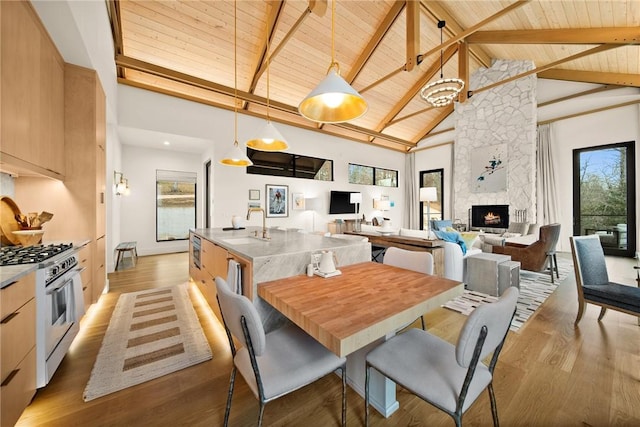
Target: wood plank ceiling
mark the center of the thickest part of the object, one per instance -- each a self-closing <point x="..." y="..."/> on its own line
<point x="186" y="48"/>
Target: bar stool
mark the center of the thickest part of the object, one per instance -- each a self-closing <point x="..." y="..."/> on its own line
<point x="553" y="264"/>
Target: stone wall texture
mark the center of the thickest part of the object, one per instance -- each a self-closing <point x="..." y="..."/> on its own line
<point x="505" y="114"/>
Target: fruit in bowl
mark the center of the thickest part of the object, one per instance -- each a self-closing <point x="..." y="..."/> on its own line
<point x="29" y="237"/>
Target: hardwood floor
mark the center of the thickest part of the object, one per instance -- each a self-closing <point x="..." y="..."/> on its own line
<point x="549" y="374"/>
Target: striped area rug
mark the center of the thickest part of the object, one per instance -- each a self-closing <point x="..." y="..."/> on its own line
<point x="151" y="333"/>
<point x="535" y="288"/>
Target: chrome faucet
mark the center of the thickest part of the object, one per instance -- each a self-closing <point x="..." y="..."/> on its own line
<point x="265" y="235"/>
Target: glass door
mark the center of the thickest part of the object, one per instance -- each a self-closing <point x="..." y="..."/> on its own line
<point x="432" y="178"/>
<point x="604" y="196"/>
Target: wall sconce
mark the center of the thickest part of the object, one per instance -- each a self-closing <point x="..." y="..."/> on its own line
<point x="121" y="184"/>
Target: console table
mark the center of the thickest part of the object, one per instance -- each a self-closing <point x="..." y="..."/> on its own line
<point x="434" y="247"/>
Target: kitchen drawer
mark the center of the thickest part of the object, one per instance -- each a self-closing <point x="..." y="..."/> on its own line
<point x="17" y="294"/>
<point x="16" y="392"/>
<point x="84" y="259"/>
<point x="17" y="336"/>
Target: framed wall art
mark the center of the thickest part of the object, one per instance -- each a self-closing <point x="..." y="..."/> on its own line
<point x="254" y="194"/>
<point x="277" y="201"/>
<point x="489" y="169"/>
<point x="297" y="201"/>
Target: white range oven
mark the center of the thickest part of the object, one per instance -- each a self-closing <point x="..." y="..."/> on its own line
<point x="59" y="301"/>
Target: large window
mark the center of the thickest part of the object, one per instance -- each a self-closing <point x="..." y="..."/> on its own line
<point x="175" y="204"/>
<point x="604" y="196"/>
<point x="432" y="178"/>
<point x="369" y="175"/>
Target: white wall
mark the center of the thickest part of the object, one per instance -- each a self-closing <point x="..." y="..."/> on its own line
<point x="148" y="110"/>
<point x="138" y="209"/>
<point x="607" y="127"/>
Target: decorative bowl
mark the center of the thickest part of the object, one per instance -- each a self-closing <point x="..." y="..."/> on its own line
<point x="29" y="237"/>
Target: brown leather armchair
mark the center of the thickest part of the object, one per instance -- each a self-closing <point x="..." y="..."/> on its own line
<point x="534" y="257"/>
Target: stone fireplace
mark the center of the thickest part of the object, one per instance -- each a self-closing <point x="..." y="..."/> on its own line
<point x="504" y="117"/>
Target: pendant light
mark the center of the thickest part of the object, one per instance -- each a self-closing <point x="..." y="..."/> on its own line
<point x="269" y="138"/>
<point x="442" y="92"/>
<point x="235" y="157"/>
<point x="333" y="100"/>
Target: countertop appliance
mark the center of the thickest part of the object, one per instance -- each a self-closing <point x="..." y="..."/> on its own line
<point x="59" y="300"/>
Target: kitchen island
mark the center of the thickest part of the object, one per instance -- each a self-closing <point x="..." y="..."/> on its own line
<point x="284" y="254"/>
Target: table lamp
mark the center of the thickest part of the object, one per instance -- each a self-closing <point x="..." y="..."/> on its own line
<point x="428" y="194"/>
<point x="357" y="199"/>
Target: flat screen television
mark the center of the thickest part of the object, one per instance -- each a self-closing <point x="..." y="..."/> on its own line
<point x="340" y="203"/>
<point x="490" y="216"/>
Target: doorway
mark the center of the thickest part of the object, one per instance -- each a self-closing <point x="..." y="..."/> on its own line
<point x="432" y="178"/>
<point x="207" y="192"/>
<point x="604" y="196"/>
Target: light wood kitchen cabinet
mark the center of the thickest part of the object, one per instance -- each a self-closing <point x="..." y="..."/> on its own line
<point x="17" y="344"/>
<point x="84" y="261"/>
<point x="32" y="86"/>
<point x="85" y="131"/>
<point x="214" y="261"/>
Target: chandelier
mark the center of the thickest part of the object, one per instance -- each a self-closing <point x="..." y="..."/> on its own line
<point x="443" y="91"/>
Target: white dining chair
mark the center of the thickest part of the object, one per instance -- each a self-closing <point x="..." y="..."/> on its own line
<point x="273" y="364"/>
<point x="422" y="262"/>
<point x="449" y="377"/>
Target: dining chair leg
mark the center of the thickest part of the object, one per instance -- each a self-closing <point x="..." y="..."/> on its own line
<point x="227" y="410"/>
<point x="494" y="408"/>
<point x="422" y="321"/>
<point x="603" y="310"/>
<point x="555" y="262"/>
<point x="261" y="413"/>
<point x="343" y="370"/>
<point x="366" y="395"/>
<point x="581" y="305"/>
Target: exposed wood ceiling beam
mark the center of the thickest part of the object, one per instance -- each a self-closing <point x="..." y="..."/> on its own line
<point x="454" y="39"/>
<point x="578" y="95"/>
<point x="173" y="75"/>
<point x="438" y="13"/>
<point x="626" y="35"/>
<point x="375" y="40"/>
<point x="597" y="49"/>
<point x="283" y="42"/>
<point x="415" y="89"/>
<point x="274" y="7"/>
<point x="444" y="113"/>
<point x="412" y="41"/>
<point x="595" y="110"/>
<point x="632" y="80"/>
<point x="116" y="30"/>
<point x="463" y="69"/>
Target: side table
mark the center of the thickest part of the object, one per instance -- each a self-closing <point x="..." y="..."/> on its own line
<point x="484" y="273"/>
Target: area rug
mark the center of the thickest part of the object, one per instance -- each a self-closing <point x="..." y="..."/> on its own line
<point x="151" y="333"/>
<point x="535" y="288"/>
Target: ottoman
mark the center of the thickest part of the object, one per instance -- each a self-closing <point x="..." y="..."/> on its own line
<point x="483" y="274"/>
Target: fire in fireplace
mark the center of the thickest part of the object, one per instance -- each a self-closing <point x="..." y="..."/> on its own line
<point x="490" y="216"/>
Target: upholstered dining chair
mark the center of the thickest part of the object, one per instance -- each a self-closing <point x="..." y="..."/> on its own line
<point x="422" y="262"/>
<point x="273" y="364"/>
<point x="536" y="256"/>
<point x="593" y="282"/>
<point x="449" y="377"/>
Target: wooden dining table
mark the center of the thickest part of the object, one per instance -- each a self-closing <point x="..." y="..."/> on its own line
<point x="353" y="312"/>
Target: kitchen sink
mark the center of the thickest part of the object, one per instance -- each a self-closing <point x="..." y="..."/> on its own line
<point x="243" y="240"/>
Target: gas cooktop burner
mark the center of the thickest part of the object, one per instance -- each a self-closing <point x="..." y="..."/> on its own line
<point x="14" y="255"/>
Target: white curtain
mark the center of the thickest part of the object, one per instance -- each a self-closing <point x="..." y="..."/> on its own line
<point x="410" y="219"/>
<point x="547" y="200"/>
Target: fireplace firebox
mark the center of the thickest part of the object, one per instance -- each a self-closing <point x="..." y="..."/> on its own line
<point x="490" y="216"/>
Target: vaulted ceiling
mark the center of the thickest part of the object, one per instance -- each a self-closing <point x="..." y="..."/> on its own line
<point x="186" y="49"/>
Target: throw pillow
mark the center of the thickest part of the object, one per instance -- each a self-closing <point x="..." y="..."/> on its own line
<point x="452" y="236"/>
<point x="520" y="228"/>
<point x="507" y="235"/>
<point x="469" y="238"/>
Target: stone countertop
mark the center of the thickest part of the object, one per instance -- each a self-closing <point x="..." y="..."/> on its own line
<point x="242" y="242"/>
<point x="11" y="273"/>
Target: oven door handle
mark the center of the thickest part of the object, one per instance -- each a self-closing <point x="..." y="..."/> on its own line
<point x="66" y="278"/>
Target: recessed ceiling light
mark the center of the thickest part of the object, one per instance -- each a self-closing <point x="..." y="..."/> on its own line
<point x="166" y="143"/>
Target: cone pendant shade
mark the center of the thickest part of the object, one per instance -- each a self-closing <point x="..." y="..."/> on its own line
<point x="333" y="101"/>
<point x="236" y="157"/>
<point x="270" y="140"/>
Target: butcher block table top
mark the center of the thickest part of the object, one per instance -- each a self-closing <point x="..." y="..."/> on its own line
<point x="366" y="302"/>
